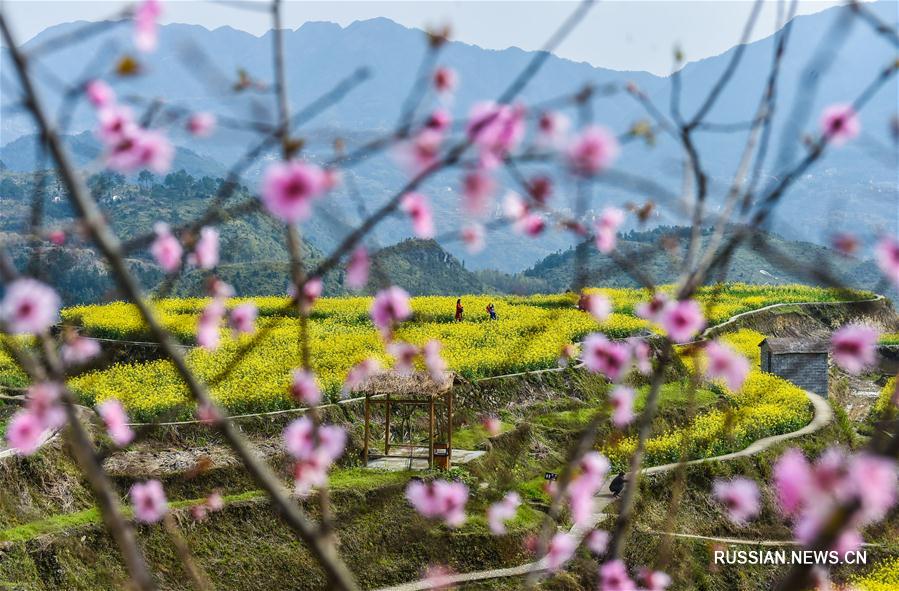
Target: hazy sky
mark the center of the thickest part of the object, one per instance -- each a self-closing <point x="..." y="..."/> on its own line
<point x="622" y="34"/>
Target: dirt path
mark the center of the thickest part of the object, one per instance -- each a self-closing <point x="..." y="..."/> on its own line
<point x="823" y="415"/>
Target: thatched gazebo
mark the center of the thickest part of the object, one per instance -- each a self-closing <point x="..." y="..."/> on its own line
<point x="418" y="389"/>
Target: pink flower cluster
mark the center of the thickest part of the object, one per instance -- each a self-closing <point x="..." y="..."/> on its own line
<point x="606" y="228"/>
<point x="682" y="320"/>
<point x="854" y="347"/>
<point x="359" y="373"/>
<point x="740" y="496"/>
<point x="357" y="269"/>
<point x="559" y="551"/>
<point x="77" y="350"/>
<point x="593" y="151"/>
<point x="29" y="307"/>
<point x="305" y="388"/>
<point x="726" y="364"/>
<point x="42" y="412"/>
<point x="416" y="206"/>
<point x="390" y="307"/>
<point x="526" y="221"/>
<point x="440" y="499"/>
<point x="209" y="324"/>
<point x="290" y="188"/>
<point x="598" y="305"/>
<point x="839" y="124"/>
<point x="502" y="511"/>
<point x="148" y="500"/>
<point x="887" y="255"/>
<point x="213" y="503"/>
<point x="145" y="17"/>
<point x="601" y="355"/>
<point x="593" y="469"/>
<point x="495" y="130"/>
<point x="116" y="421"/>
<point x="128" y="146"/>
<point x="809" y="492"/>
<point x="315" y="448"/>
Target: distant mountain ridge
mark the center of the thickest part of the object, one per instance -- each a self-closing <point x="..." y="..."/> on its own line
<point x="849" y="190"/>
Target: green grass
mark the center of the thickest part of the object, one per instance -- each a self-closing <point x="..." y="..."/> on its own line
<point x="474" y="435"/>
<point x="341" y="480"/>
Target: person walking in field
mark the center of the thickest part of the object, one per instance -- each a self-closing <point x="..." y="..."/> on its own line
<point x="491" y="311"/>
<point x="459" y="310"/>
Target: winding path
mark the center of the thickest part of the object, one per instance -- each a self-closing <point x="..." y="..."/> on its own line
<point x="823" y="415"/>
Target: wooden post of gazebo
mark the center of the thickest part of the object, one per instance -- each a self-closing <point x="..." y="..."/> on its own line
<point x="419" y="389"/>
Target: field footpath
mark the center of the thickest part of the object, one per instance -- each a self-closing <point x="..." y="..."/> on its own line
<point x="823" y="416"/>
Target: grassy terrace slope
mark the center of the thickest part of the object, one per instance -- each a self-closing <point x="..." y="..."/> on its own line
<point x="527" y="336"/>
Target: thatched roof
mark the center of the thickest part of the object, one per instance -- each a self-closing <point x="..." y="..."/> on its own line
<point x="780" y="345"/>
<point x="414" y="384"/>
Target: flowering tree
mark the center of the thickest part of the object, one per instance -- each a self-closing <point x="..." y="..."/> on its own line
<point x="828" y="501"/>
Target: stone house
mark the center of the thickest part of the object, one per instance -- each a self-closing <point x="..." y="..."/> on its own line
<point x="801" y="361"/>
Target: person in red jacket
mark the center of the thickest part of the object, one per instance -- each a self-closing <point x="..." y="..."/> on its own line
<point x="459" y="310"/>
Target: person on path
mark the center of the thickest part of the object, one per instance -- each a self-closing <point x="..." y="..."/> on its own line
<point x="459" y="310"/>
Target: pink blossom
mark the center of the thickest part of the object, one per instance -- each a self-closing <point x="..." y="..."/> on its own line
<point x="331" y="442"/>
<point x="875" y="480"/>
<point x="495" y="129"/>
<point x="208" y="334"/>
<point x="419" y="211"/>
<point x="57" y="237"/>
<point x="304" y="387"/>
<point x="116" y="421"/>
<point x="501" y="512"/>
<point x="605" y="356"/>
<point x="29" y="307"/>
<point x="207" y="413"/>
<point x="593" y="469"/>
<point x="201" y="124"/>
<point x="531" y="224"/>
<point x="299" y="438"/>
<point x="792" y="480"/>
<point x="215" y="502"/>
<point x="653" y="309"/>
<point x="478" y="187"/>
<point x="78" y="350"/>
<point x="357" y="268"/>
<point x="839" y="124"/>
<point x="206" y="250"/>
<point x="420" y="152"/>
<point x="599" y="306"/>
<point x="682" y="320"/>
<point x="99" y="93"/>
<point x="613" y="577"/>
<point x="439" y="500"/>
<point x="404" y="354"/>
<point x="593" y="151"/>
<point x="540" y="189"/>
<point x="595" y="466"/>
<point x="23" y="432"/>
<point x="473" y="235"/>
<point x="514" y="207"/>
<point x="606" y="227"/>
<point x="622" y="401"/>
<point x="854" y="347"/>
<point x="390" y="306"/>
<point x="220" y="289"/>
<point x="597" y="541"/>
<point x="492" y="425"/>
<point x="310" y="473"/>
<point x="655" y="580"/>
<point x="439" y="577"/>
<point x="552" y="127"/>
<point x="439" y="120"/>
<point x="434" y="361"/>
<point x="43" y="401"/>
<point x="359" y="373"/>
<point x="145" y="17"/>
<point x="445" y="80"/>
<point x="740" y="496"/>
<point x="845" y="243"/>
<point x="561" y="549"/>
<point x="725" y="363"/>
<point x="332" y="178"/>
<point x="312" y="290"/>
<point x="289" y="188"/>
<point x="148" y="500"/>
<point x="140" y="148"/>
<point x="198" y="512"/>
<point x="166" y="249"/>
<point x="243" y="318"/>
<point x="642" y="355"/>
<point x="116" y="122"/>
<point x="887" y="255"/>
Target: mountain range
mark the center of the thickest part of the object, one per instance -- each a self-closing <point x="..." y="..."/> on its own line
<point x="853" y="189"/>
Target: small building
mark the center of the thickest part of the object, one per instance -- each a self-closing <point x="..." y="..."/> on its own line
<point x="801" y="361"/>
